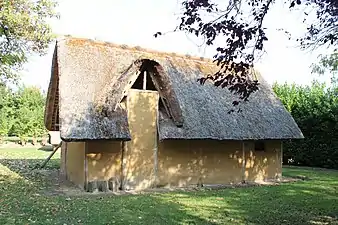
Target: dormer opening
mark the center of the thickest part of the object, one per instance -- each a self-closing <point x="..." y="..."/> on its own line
<point x="145" y="75"/>
<point x="144" y="82"/>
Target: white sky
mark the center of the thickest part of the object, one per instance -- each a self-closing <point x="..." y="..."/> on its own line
<point x="134" y="22"/>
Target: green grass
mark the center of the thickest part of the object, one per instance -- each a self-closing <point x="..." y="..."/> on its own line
<point x="313" y="201"/>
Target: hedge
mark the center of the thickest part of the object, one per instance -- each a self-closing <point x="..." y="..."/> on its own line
<point x="315" y="110"/>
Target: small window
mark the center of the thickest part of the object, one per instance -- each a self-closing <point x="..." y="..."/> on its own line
<point x="259" y="146"/>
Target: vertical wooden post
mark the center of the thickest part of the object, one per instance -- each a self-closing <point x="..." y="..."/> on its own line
<point x="243" y="161"/>
<point x="63" y="159"/>
<point x="281" y="159"/>
<point x="123" y="158"/>
<point x="85" y="167"/>
<point x="281" y="153"/>
<point x="156" y="151"/>
<point x="66" y="159"/>
<point x="123" y="165"/>
<point x="144" y="80"/>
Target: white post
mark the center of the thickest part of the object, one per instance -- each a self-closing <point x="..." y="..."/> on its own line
<point x="144" y="80"/>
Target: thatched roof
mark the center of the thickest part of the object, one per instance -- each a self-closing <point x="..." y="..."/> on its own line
<point x="93" y="77"/>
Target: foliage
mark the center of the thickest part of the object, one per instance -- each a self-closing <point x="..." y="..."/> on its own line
<point x="315" y="110"/>
<point x="325" y="30"/>
<point x="29" y="197"/>
<point x="24" y="30"/>
<point x="6" y="111"/>
<point x="327" y="64"/>
<point x="239" y="23"/>
<point x="21" y="113"/>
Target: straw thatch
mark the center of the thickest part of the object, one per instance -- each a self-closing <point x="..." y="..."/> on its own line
<point x="94" y="76"/>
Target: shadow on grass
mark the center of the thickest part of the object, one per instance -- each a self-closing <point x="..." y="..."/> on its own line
<point x="24" y="166"/>
<point x="314" y="201"/>
<point x="22" y="204"/>
<point x="296" y="203"/>
<point x="28" y="170"/>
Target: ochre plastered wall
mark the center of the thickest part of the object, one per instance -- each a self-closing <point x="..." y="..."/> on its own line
<point x="103" y="160"/>
<point x="142" y="117"/>
<point x="75" y="155"/>
<point x="180" y="162"/>
<point x="262" y="165"/>
<point x="185" y="162"/>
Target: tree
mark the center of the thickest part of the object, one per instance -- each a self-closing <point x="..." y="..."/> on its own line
<point x="22" y="112"/>
<point x="29" y="109"/>
<point x="24" y="30"/>
<point x="6" y="111"/>
<point x="328" y="64"/>
<point x="325" y="30"/>
<point x="240" y="24"/>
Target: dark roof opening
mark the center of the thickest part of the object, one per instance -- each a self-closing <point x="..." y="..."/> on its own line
<point x="140" y="81"/>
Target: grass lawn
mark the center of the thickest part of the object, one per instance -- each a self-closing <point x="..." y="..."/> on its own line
<point x="313" y="201"/>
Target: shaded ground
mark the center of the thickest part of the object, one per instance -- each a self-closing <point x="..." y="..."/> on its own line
<point x="28" y="145"/>
<point x="27" y="198"/>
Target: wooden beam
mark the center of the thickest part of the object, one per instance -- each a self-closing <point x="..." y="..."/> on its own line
<point x="156" y="149"/>
<point x="50" y="156"/>
<point x="123" y="165"/>
<point x="121" y="87"/>
<point x="166" y="107"/>
<point x="164" y="87"/>
<point x="129" y="81"/>
<point x="66" y="168"/>
<point x="85" y="167"/>
<point x="243" y="161"/>
<point x="63" y="169"/>
<point x="281" y="160"/>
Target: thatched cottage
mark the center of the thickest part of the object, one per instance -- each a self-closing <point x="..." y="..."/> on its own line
<point x="134" y="119"/>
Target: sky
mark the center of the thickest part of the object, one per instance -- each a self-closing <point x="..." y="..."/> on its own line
<point x="133" y="22"/>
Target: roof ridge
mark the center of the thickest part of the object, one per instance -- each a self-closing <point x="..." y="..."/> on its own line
<point x="137" y="48"/>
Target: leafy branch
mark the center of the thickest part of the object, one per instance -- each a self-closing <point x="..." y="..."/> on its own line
<point x="240" y="25"/>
